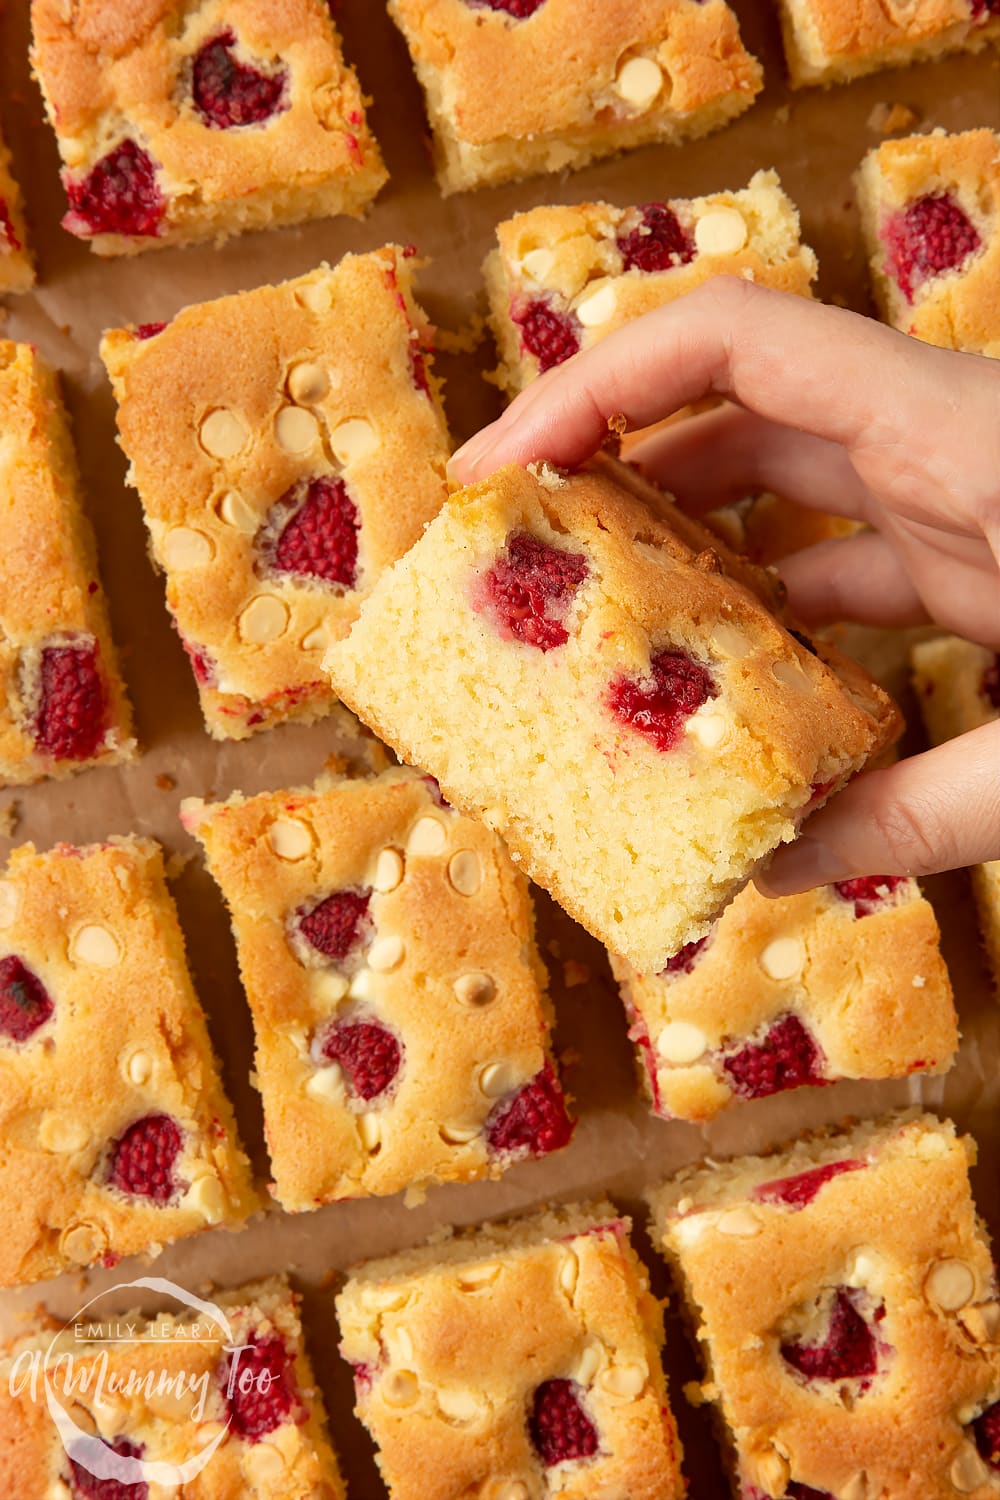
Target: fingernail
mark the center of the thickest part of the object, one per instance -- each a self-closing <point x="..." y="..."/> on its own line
<point x="471" y="452"/>
<point x="801" y="866"/>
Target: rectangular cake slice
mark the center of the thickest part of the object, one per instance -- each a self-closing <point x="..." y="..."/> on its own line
<point x="610" y="690"/>
<point x="517" y="87"/>
<point x="178" y="123"/>
<point x="287" y="443"/>
<point x="229" y="1399"/>
<point x="930" y="212"/>
<point x="520" y="1360"/>
<point x="17" y="273"/>
<point x="844" y="1297"/>
<point x="62" y="702"/>
<point x="831" y="41"/>
<point x="958" y="688"/>
<point x="846" y="981"/>
<point x="387" y="949"/>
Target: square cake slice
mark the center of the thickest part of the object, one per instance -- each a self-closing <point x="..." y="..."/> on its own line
<point x="387" y="950"/>
<point x="518" y="1361"/>
<point x="958" y="688"/>
<point x="62" y="702"/>
<point x="230" y="1400"/>
<point x="287" y="444"/>
<point x="767" y="527"/>
<point x="846" y="981"/>
<point x="116" y="1137"/>
<point x="518" y="87"/>
<point x="832" y="41"/>
<point x="844" y="1297"/>
<point x="608" y="688"/>
<point x="562" y="278"/>
<point x="17" y="273"/>
<point x="178" y="123"/>
<point x="930" y="213"/>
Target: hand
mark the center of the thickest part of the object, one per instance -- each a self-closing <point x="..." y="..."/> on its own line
<point x="842" y="414"/>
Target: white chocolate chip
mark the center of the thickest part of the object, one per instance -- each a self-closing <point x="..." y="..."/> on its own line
<point x="386" y="1298"/>
<point x="295" y="430"/>
<point x="770" y="1470"/>
<point x="386" y="953"/>
<point x="8" y="903"/>
<point x="82" y="1418"/>
<point x="223" y="434"/>
<point x="459" y="1135"/>
<point x="137" y="1067"/>
<point x="315" y="296"/>
<point x="790" y="674"/>
<point x="681" y="1042"/>
<point x="235" y="512"/>
<point x="624" y="1381"/>
<point x="62" y="1134"/>
<point x="598" y="307"/>
<point x="370" y="1130"/>
<point x="475" y="989"/>
<point x="512" y="1490"/>
<point x="538" y="263"/>
<point x="94" y="944"/>
<point x="465" y="872"/>
<point x="206" y="1197"/>
<point x="497" y="1079"/>
<point x="307" y="382"/>
<point x="740" y="1223"/>
<point x="327" y="1083"/>
<point x="587" y="1365"/>
<point x="639" y="81"/>
<point x="863" y="1268"/>
<point x="289" y="838"/>
<point x="362" y="985"/>
<point x="328" y="986"/>
<point x="856" y="1488"/>
<point x="388" y="871"/>
<point x="721" y="231"/>
<point x="981" y="1323"/>
<point x="569" y="1273"/>
<point x="183" y="548"/>
<point x="708" y="729"/>
<point x="729" y="641"/>
<point x="316" y="639"/>
<point x="399" y="1345"/>
<point x="474" y="1278"/>
<point x="968" y="1471"/>
<point x="263" y="1465"/>
<point x="951" y="1284"/>
<point x="83" y="1242"/>
<point x="400" y="1388"/>
<point x="427" y="837"/>
<point x="353" y="440"/>
<point x="784" y="958"/>
<point x="264" y="619"/>
<point x="462" y="1405"/>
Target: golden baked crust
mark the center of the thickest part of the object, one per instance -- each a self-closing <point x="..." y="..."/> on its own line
<point x="571" y="260"/>
<point x="643" y="847"/>
<point x="829" y="41"/>
<point x="112" y="74"/>
<point x="766" y="527"/>
<point x="191" y="1349"/>
<point x="125" y="1040"/>
<point x="443" y="961"/>
<point x="896" y="1227"/>
<point x="450" y="1344"/>
<point x="960" y="307"/>
<point x="50" y="593"/>
<point x="228" y="415"/>
<point x="17" y="273"/>
<point x="869" y="988"/>
<point x="584" y="81"/>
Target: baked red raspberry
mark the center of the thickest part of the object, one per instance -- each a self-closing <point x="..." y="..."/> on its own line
<point x="337" y="924"/>
<point x="260" y="1389"/>
<point x="787" y="1058"/>
<point x="795" y="1192"/>
<point x="520" y="10"/>
<point x="229" y="93"/>
<point x="533" y="1122"/>
<point x="796" y="1491"/>
<point x="142" y="1161"/>
<point x="549" y="335"/>
<point x="933" y="234"/>
<point x="8" y="235"/>
<point x="986" y="1429"/>
<point x="990" y="686"/>
<point x="368" y="1053"/>
<point x="73" y="702"/>
<point x="869" y="892"/>
<point x="25" y="1003"/>
<point x="658" y="706"/>
<point x="530" y="588"/>
<point x="560" y="1428"/>
<point x="87" y="1486"/>
<point x="118" y="196"/>
<point x="202" y="664"/>
<point x="849" y="1351"/>
<point x="320" y="539"/>
<point x="658" y="243"/>
<point x="685" y="958"/>
<point x="418" y="369"/>
<point x="149" y="330"/>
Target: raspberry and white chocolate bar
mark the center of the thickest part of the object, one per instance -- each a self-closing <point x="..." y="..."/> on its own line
<point x="845" y="1300"/>
<point x="287" y="443"/>
<point x="846" y="981"/>
<point x="229" y="1383"/>
<point x="522" y="1360"/>
<point x="16" y="271"/>
<point x="117" y="1137"/>
<point x="517" y="87"/>
<point x="930" y="212"/>
<point x="831" y="41"/>
<point x="62" y="703"/>
<point x="386" y="945"/>
<point x="610" y="690"/>
<point x="564" y="277"/>
<point x="178" y="123"/>
<point x="958" y="688"/>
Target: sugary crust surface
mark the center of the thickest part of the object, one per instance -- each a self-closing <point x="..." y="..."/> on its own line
<point x="958" y="309"/>
<point x="873" y="991"/>
<point x="17" y="273"/>
<point x="901" y="1230"/>
<point x="467" y="1331"/>
<point x="290" y="1462"/>
<point x="50" y="593"/>
<point x="110" y="73"/>
<point x="347" y="343"/>
<point x="829" y="41"/>
<point x="459" y="916"/>
<point x="604" y="844"/>
<point x="564" y="256"/>
<point x="566" y="101"/>
<point x="126" y="1039"/>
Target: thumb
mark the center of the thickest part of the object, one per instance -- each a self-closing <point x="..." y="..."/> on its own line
<point x="936" y="811"/>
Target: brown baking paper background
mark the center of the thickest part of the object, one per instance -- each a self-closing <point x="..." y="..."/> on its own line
<point x="816" y="140"/>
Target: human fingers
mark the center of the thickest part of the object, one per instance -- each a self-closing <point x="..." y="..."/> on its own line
<point x="857" y="578"/>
